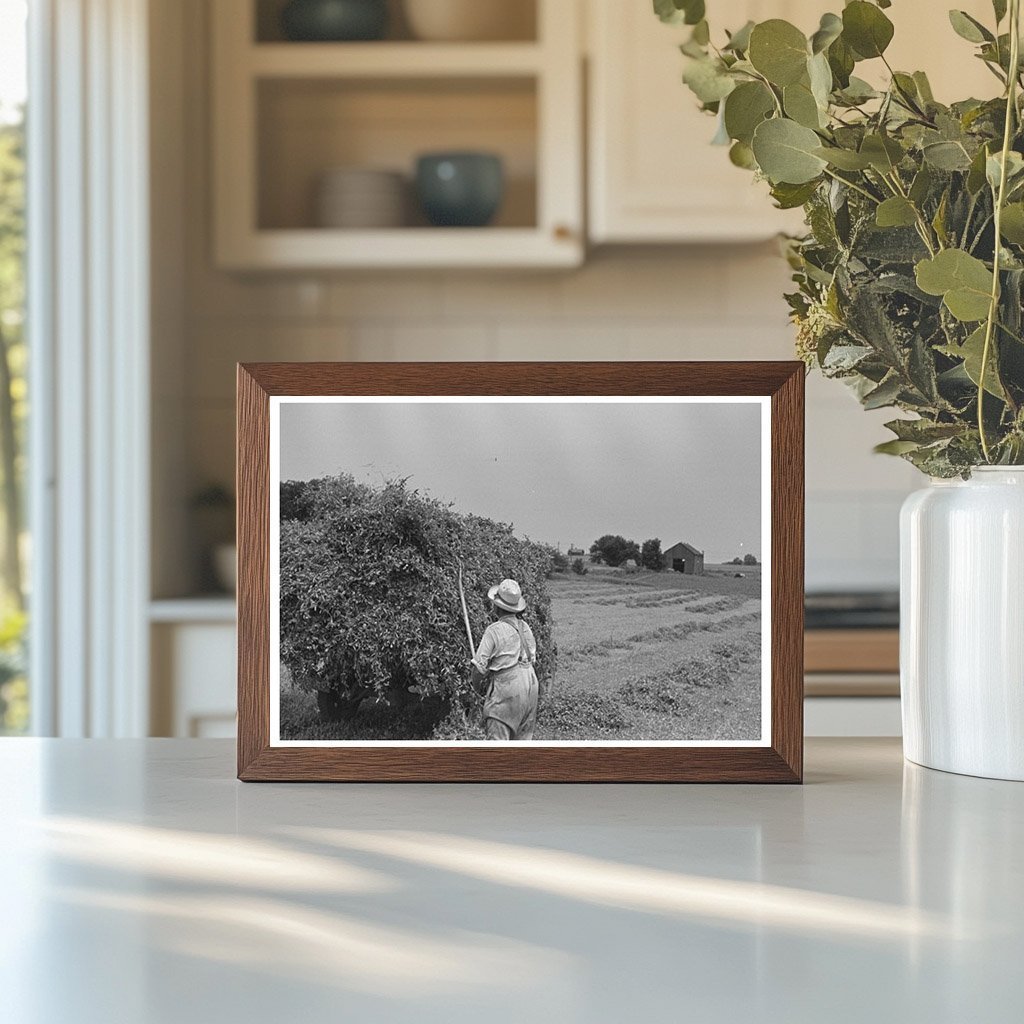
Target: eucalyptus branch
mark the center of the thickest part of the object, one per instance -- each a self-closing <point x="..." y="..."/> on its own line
<point x="923" y="227"/>
<point x="1000" y="200"/>
<point x="850" y="184"/>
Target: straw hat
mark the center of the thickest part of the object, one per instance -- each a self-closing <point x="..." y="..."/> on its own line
<point x="508" y="596"/>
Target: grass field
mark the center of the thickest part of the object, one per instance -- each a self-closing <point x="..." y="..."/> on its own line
<point x="656" y="656"/>
<point x="641" y="655"/>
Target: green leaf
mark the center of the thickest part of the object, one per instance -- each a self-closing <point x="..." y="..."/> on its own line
<point x="924" y="87"/>
<point x="923" y="431"/>
<point x="884" y="395"/>
<point x="694" y="10"/>
<point x="741" y="155"/>
<point x="746" y="107"/>
<point x="778" y="50"/>
<point x="858" y="91"/>
<point x="820" y="76"/>
<point x="906" y="90"/>
<point x="739" y="41"/>
<point x="971" y="352"/>
<point x="963" y="281"/>
<point x="841" y="60"/>
<point x="976" y="174"/>
<point x="785" y="152"/>
<point x="922" y="185"/>
<point x="883" y="153"/>
<point x="691" y="48"/>
<point x="708" y="80"/>
<point x="789" y="197"/>
<point x="1014" y="169"/>
<point x="676" y="12"/>
<point x="896" y="447"/>
<point x="844" y="159"/>
<point x="866" y="29"/>
<point x="830" y="29"/>
<point x="947" y="156"/>
<point x="969" y="28"/>
<point x="896" y="212"/>
<point x="1012" y="226"/>
<point x="800" y="105"/>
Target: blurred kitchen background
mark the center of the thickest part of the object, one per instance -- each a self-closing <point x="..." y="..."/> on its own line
<point x="285" y="214"/>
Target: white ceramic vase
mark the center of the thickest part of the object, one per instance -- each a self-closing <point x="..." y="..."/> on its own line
<point x="962" y="624"/>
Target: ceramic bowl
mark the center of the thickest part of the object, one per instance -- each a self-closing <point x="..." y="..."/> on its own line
<point x="334" y="20"/>
<point x="358" y="197"/>
<point x="460" y="189"/>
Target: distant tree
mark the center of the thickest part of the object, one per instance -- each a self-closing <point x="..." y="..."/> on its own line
<point x="736" y="561"/>
<point x="614" y="550"/>
<point x="13" y="356"/>
<point x="650" y="554"/>
<point x="579" y="567"/>
<point x="559" y="560"/>
<point x="750" y="560"/>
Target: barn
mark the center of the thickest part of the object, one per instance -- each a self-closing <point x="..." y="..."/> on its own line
<point x="684" y="557"/>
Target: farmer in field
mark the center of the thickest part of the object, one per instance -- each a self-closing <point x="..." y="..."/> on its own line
<point x="503" y="667"/>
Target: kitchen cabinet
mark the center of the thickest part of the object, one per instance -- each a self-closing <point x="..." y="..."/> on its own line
<point x="192" y="648"/>
<point x="286" y="113"/>
<point x="653" y="175"/>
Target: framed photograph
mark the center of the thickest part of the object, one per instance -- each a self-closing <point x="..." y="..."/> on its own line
<point x="515" y="572"/>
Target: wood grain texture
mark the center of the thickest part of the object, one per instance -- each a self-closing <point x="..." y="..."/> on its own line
<point x="252" y="486"/>
<point x="781" y="762"/>
<point x="852" y="650"/>
<point x="787" y="569"/>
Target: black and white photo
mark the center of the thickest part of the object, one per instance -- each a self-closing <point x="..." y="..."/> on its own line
<point x="536" y="571"/>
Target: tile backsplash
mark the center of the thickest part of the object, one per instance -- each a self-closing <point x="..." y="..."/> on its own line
<point x="698" y="303"/>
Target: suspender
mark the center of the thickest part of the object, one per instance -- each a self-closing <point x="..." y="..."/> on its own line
<point x="524" y="653"/>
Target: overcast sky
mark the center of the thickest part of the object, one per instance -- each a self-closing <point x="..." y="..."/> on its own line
<point x="560" y="473"/>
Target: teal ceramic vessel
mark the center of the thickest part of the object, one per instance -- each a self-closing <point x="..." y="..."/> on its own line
<point x="334" y="21"/>
<point x="461" y="190"/>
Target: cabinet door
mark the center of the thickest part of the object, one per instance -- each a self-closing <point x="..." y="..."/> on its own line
<point x="654" y="177"/>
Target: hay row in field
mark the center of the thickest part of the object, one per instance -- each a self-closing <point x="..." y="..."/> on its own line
<point x="667" y="634"/>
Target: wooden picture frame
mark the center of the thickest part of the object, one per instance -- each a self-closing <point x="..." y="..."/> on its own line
<point x="779" y="759"/>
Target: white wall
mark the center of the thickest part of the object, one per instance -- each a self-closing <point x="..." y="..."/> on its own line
<point x="665" y="303"/>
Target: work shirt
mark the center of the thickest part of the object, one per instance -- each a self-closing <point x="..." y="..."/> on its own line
<point x="500" y="647"/>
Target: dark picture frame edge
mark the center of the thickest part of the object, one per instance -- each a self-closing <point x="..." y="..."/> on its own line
<point x="781" y="762"/>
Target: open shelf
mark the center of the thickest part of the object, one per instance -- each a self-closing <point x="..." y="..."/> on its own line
<point x="286" y="114"/>
<point x="308" y="127"/>
<point x="519" y="16"/>
<point x="405" y="248"/>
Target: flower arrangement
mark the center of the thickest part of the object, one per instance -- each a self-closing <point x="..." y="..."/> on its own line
<point x="909" y="281"/>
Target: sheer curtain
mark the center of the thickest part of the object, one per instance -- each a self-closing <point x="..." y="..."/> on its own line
<point x="88" y="300"/>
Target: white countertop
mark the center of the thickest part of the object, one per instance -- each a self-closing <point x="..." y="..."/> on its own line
<point x="143" y="885"/>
